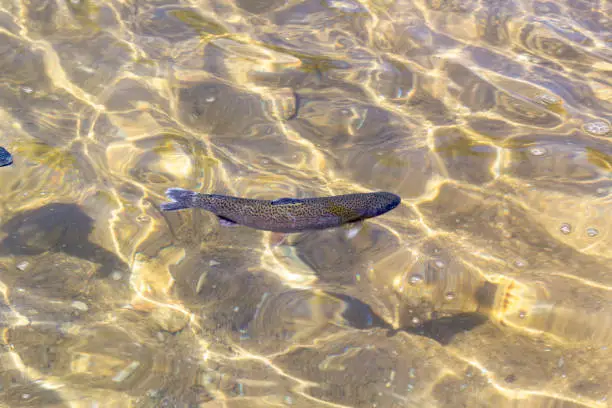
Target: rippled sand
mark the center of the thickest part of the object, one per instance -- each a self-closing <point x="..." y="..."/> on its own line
<point x="491" y="286"/>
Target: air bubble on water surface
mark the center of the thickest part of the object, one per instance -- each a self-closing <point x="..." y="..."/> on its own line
<point x="592" y="232"/>
<point x="566" y="228"/>
<point x="537" y="151"/>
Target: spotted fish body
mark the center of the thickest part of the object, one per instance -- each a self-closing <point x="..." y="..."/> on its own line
<point x="5" y="157"/>
<point x="285" y="214"/>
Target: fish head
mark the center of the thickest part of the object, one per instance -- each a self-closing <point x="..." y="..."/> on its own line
<point x="384" y="202"/>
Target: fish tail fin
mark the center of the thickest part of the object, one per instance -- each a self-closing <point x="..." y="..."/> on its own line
<point x="180" y="199"/>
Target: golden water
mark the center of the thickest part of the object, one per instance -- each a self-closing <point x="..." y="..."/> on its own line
<point x="490" y="286"/>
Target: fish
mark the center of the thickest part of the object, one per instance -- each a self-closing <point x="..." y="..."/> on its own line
<point x="5" y="157"/>
<point x="285" y="215"/>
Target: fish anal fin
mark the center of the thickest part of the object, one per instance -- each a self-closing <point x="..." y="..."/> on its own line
<point x="226" y="222"/>
<point x="286" y="201"/>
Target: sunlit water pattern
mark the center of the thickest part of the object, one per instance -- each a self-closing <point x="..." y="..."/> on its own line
<point x="490" y="286"/>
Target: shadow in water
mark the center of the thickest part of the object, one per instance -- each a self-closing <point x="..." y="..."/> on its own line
<point x="444" y="329"/>
<point x="358" y="314"/>
<point x="361" y="316"/>
<point x="22" y="393"/>
<point x="57" y="227"/>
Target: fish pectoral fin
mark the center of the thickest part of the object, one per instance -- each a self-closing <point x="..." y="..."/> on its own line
<point x="286" y="201"/>
<point x="226" y="222"/>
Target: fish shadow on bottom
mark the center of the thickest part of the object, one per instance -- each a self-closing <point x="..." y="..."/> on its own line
<point x="60" y="227"/>
<point x="57" y="227"/>
<point x="443" y="330"/>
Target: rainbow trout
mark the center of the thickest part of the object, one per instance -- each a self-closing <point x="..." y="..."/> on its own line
<point x="285" y="214"/>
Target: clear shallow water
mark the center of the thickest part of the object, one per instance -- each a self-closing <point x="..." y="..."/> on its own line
<point x="489" y="287"/>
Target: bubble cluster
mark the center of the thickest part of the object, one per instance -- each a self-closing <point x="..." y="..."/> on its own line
<point x="598" y="127"/>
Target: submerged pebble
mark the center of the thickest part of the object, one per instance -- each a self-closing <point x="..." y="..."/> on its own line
<point x="415" y="279"/>
<point x="284" y="103"/>
<point x="125" y="373"/>
<point x="346" y="6"/>
<point x="548" y="99"/>
<point x="5" y="157"/>
<point x="170" y="319"/>
<point x="82" y="306"/>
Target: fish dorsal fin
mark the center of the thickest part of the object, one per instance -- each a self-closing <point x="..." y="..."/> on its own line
<point x="286" y="201"/>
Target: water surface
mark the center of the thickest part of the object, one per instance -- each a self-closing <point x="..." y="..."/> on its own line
<point x="490" y="286"/>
